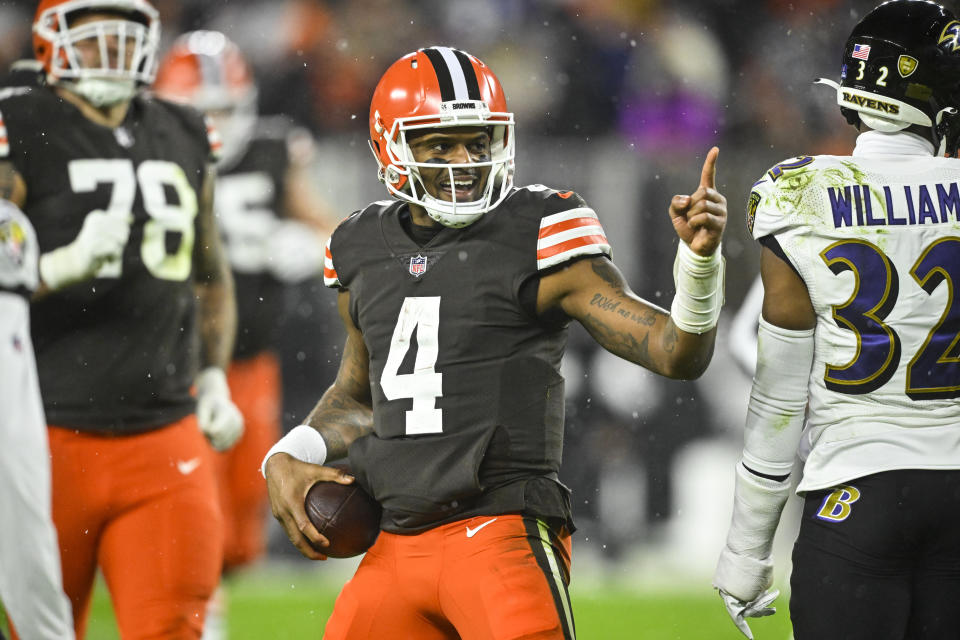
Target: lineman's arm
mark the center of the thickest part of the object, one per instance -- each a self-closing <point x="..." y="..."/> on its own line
<point x="342" y="415"/>
<point x="772" y="433"/>
<point x="217" y="415"/>
<point x="677" y="344"/>
<point x="217" y="308"/>
<point x="101" y="240"/>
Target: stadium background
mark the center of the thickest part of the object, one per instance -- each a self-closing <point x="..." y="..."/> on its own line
<point x="618" y="100"/>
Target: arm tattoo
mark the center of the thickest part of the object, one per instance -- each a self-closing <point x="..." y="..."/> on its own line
<point x="340" y="419"/>
<point x="605" y="269"/>
<point x="622" y="343"/>
<point x="670" y="338"/>
<point x="345" y="412"/>
<point x="612" y="304"/>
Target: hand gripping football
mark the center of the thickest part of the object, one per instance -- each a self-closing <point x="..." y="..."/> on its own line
<point x="346" y="514"/>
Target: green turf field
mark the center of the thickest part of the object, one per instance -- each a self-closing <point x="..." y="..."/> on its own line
<point x="282" y="604"/>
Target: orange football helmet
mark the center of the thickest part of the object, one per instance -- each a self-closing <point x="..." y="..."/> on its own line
<point x="207" y="71"/>
<point x="104" y="61"/>
<point x="439" y="87"/>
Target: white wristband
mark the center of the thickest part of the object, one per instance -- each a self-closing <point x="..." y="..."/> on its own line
<point x="699" y="282"/>
<point x="303" y="442"/>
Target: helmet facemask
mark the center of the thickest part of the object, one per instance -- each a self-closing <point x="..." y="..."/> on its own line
<point x="402" y="175"/>
<point x="104" y="61"/>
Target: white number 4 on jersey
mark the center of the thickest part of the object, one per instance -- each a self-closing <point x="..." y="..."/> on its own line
<point x="424" y="385"/>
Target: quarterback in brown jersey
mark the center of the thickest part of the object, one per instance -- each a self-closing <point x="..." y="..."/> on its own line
<point x="456" y="298"/>
<point x="135" y="298"/>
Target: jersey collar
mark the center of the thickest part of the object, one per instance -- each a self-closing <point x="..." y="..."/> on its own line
<point x="898" y="143"/>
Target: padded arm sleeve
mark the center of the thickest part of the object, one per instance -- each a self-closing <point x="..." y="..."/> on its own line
<point x="774" y="423"/>
<point x="778" y="399"/>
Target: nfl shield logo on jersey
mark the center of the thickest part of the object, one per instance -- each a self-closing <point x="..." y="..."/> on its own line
<point x="418" y="265"/>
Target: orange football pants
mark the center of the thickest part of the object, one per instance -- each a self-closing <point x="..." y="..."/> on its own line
<point x="143" y="507"/>
<point x="255" y="389"/>
<point x="485" y="578"/>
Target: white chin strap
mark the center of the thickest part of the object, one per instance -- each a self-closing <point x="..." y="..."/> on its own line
<point x="102" y="92"/>
<point x="454" y="213"/>
<point x="878" y="112"/>
<point x="451" y="213"/>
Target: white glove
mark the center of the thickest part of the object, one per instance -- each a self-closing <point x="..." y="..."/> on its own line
<point x="740" y="610"/>
<point x="219" y="419"/>
<point x="101" y="240"/>
<point x="745" y="568"/>
<point x="294" y="252"/>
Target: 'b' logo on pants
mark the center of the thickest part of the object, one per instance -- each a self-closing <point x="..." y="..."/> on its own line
<point x="836" y="506"/>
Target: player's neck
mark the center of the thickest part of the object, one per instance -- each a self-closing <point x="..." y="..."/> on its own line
<point x="110" y="116"/>
<point x="419" y="217"/>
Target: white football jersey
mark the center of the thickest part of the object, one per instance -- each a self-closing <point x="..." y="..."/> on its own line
<point x="18" y="250"/>
<point x="876" y="238"/>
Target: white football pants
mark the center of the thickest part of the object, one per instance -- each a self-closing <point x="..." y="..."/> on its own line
<point x="31" y="585"/>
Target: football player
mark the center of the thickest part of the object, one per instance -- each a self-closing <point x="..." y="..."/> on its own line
<point x="135" y="296"/>
<point x="31" y="587"/>
<point x="273" y="226"/>
<point x="456" y="298"/>
<point x="858" y="366"/>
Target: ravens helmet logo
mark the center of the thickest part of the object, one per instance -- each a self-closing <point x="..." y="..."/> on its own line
<point x="950" y="35"/>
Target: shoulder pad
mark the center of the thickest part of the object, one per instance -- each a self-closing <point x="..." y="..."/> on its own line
<point x="356" y="225"/>
<point x="11" y="92"/>
<point x="568" y="227"/>
<point x="193" y="120"/>
<point x="330" y="277"/>
<point x="773" y="197"/>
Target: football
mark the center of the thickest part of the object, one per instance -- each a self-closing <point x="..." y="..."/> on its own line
<point x="346" y="514"/>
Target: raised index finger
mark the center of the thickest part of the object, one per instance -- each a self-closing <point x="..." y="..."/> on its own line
<point x="708" y="176"/>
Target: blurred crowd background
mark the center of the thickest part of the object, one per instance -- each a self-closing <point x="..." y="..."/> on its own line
<point x="616" y="99"/>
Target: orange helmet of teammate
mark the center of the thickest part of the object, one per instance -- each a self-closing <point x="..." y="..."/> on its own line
<point x="207" y="71"/>
<point x="440" y="87"/>
<point x="103" y="60"/>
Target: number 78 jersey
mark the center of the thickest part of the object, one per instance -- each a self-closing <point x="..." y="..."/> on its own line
<point x="876" y="240"/>
<point x="116" y="353"/>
